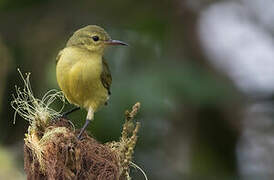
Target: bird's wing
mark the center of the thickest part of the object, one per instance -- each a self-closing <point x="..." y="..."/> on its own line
<point x="106" y="78"/>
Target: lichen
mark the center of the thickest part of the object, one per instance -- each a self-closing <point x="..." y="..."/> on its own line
<point x="37" y="112"/>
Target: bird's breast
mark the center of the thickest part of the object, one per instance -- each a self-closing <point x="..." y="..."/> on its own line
<point x="80" y="80"/>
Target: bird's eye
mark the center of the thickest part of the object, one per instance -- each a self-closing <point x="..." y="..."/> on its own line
<point x="95" y="38"/>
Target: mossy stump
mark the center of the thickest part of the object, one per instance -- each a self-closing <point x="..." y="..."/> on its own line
<point x="53" y="152"/>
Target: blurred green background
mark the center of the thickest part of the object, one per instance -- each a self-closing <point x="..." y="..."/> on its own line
<point x="191" y="111"/>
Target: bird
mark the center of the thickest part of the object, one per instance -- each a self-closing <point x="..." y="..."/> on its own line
<point x="83" y="73"/>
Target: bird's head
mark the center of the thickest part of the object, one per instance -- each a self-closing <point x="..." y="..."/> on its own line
<point x="93" y="38"/>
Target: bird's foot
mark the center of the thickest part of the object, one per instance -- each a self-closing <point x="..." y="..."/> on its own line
<point x="79" y="137"/>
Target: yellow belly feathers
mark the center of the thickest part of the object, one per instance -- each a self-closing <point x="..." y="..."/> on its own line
<point x="78" y="75"/>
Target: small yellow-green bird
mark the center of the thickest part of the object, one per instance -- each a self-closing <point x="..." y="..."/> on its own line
<point x="83" y="73"/>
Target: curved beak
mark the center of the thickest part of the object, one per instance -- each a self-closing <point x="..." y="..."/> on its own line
<point x="116" y="42"/>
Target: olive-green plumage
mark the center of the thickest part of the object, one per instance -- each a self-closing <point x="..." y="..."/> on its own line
<point x="82" y="72"/>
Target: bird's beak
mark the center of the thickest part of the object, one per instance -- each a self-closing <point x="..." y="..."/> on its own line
<point x="116" y="42"/>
